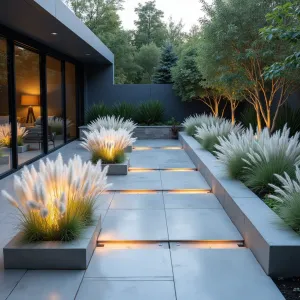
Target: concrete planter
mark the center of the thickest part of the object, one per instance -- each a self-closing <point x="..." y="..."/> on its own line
<point x="153" y="132"/>
<point x="4" y="160"/>
<point x="144" y="132"/>
<point x="22" y="149"/>
<point x="117" y="169"/>
<point x="275" y="246"/>
<point x="73" y="255"/>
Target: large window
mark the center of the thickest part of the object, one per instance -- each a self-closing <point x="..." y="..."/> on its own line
<point x="54" y="103"/>
<point x="28" y="107"/>
<point x="5" y="124"/>
<point x="71" y="100"/>
<point x="38" y="100"/>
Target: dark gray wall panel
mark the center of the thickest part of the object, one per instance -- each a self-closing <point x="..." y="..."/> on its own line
<point x="100" y="88"/>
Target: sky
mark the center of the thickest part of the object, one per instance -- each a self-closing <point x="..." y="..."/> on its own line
<point x="187" y="10"/>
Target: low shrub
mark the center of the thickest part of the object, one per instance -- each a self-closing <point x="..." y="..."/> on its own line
<point x="208" y="134"/>
<point x="112" y="122"/>
<point x="150" y="113"/>
<point x="287" y="196"/>
<point x="196" y="120"/>
<point x="96" y="111"/>
<point x="277" y="154"/>
<point x="124" y="110"/>
<point x="107" y="145"/>
<point x="57" y="201"/>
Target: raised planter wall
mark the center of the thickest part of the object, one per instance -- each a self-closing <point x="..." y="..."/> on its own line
<point x="144" y="132"/>
<point x="275" y="246"/>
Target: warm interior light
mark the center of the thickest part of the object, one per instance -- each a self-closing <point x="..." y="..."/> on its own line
<point x="30" y="100"/>
<point x="129" y="192"/>
<point x="188" y="191"/>
<point x="142" y="148"/>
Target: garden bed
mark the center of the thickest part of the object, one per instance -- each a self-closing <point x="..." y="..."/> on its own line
<point x="144" y="132"/>
<point x="74" y="255"/>
<point x="275" y="246"/>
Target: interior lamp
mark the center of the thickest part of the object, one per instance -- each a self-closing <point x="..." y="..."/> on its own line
<point x="30" y="100"/>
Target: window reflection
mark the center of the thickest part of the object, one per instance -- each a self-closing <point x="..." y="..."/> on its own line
<point x="54" y="103"/>
<point x="28" y="109"/>
<point x="71" y="100"/>
<point x="5" y="127"/>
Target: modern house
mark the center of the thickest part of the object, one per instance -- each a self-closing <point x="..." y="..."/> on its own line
<point x="44" y="53"/>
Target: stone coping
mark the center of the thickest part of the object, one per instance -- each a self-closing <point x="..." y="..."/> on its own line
<point x="74" y="255"/>
<point x="275" y="246"/>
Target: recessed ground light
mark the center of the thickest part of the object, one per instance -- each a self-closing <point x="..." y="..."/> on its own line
<point x="54" y="33"/>
<point x="88" y="54"/>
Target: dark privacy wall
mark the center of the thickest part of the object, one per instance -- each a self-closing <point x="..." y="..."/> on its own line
<point x="99" y="88"/>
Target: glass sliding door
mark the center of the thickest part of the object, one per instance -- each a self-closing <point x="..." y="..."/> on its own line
<point x="54" y="103"/>
<point x="28" y="107"/>
<point x="71" y="103"/>
<point x="5" y="122"/>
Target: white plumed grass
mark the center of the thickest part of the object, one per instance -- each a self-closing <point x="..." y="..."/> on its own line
<point x="287" y="196"/>
<point x="208" y="134"/>
<point x="57" y="124"/>
<point x="233" y="149"/>
<point x="107" y="145"/>
<point x="196" y="120"/>
<point x="57" y="200"/>
<point x="5" y="134"/>
<point x="112" y="122"/>
<point x="277" y="154"/>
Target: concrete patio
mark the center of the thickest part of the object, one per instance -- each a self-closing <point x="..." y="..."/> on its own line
<point x="164" y="236"/>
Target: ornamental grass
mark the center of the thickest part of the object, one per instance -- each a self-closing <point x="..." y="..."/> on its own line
<point x="57" y="200"/>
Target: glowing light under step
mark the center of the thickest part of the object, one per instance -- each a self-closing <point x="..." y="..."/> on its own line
<point x="141" y="170"/>
<point x="142" y="148"/>
<point x="188" y="191"/>
<point x="129" y="192"/>
<point x="179" y="169"/>
<point x="171" y="148"/>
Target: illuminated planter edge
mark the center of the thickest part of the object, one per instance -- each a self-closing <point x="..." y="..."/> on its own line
<point x="74" y="255"/>
<point x="275" y="247"/>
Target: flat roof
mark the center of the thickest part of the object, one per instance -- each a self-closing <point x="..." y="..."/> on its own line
<point x="38" y="19"/>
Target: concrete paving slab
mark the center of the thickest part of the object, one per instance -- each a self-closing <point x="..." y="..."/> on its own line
<point x="152" y="263"/>
<point x="152" y="159"/>
<point x="8" y="281"/>
<point x="136" y="181"/>
<point x="94" y="289"/>
<point x="157" y="143"/>
<point x="45" y="285"/>
<point x="227" y="274"/>
<point x="200" y="225"/>
<point x="183" y="180"/>
<point x="103" y="201"/>
<point x="189" y="201"/>
<point x="137" y="201"/>
<point x="134" y="225"/>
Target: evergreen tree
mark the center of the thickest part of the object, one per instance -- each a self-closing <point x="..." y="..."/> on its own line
<point x="167" y="62"/>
